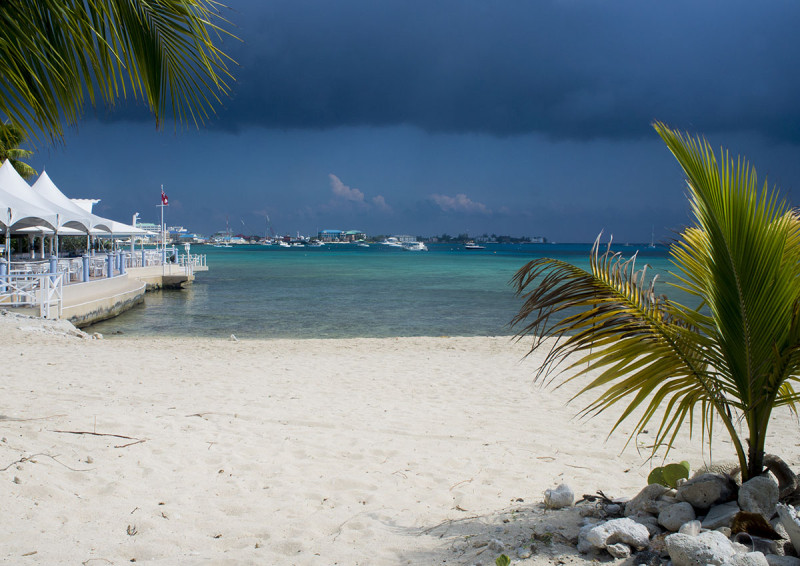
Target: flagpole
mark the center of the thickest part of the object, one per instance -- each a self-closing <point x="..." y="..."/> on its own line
<point x="163" y="236"/>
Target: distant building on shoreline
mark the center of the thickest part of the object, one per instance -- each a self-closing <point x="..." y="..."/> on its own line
<point x="488" y="239"/>
<point x="341" y="235"/>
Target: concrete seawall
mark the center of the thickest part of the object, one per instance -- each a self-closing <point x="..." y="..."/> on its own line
<point x="87" y="303"/>
<point x="162" y="277"/>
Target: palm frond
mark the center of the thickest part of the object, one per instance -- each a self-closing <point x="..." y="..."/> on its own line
<point x="56" y="54"/>
<point x="11" y="137"/>
<point x="734" y="354"/>
<point x="640" y="349"/>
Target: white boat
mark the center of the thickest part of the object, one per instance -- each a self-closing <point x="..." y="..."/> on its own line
<point x="392" y="242"/>
<point x="315" y="244"/>
<point x="283" y="244"/>
<point x="473" y="246"/>
<point x="415" y="247"/>
<point x="362" y="245"/>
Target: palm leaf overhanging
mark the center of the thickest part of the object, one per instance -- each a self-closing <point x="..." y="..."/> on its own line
<point x="56" y="54"/>
<point x="11" y="138"/>
<point x="733" y="355"/>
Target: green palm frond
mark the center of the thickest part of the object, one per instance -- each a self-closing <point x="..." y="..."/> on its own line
<point x="25" y="171"/>
<point x="613" y="319"/>
<point x="736" y="352"/>
<point x="56" y="54"/>
<point x="11" y="137"/>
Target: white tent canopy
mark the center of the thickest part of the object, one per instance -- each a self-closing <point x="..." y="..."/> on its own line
<point x="85" y="203"/>
<point x="122" y="229"/>
<point x="44" y="209"/>
<point x="116" y="228"/>
<point x="15" y="186"/>
<point x="16" y="211"/>
<point x="46" y="189"/>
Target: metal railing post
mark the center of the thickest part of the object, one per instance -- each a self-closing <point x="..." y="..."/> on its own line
<point x="44" y="297"/>
<point x="53" y="268"/>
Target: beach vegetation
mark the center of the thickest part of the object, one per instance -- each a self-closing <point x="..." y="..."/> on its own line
<point x="57" y="56"/>
<point x="669" y="475"/>
<point x="731" y="357"/>
<point x="12" y="138"/>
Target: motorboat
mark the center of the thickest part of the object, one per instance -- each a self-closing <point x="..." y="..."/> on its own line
<point x="473" y="246"/>
<point x="393" y="242"/>
<point x="414" y="247"/>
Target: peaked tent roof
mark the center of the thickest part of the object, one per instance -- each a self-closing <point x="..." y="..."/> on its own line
<point x="46" y="189"/>
<point x="85" y="203"/>
<point x="16" y="190"/>
<point x="122" y="229"/>
<point x="16" y="211"/>
<point x="117" y="228"/>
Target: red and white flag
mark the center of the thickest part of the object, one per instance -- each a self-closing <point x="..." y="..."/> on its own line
<point x="164" y="199"/>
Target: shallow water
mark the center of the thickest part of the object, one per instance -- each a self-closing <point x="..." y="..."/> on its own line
<point x="341" y="291"/>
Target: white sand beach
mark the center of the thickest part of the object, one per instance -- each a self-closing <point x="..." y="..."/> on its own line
<point x="307" y="452"/>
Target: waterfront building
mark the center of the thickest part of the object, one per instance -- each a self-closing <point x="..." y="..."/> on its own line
<point x="341" y="235"/>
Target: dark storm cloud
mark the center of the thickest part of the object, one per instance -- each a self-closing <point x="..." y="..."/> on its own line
<point x="571" y="69"/>
<point x="565" y="68"/>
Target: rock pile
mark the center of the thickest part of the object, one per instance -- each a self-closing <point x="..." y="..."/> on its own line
<point x="16" y="322"/>
<point x="709" y="519"/>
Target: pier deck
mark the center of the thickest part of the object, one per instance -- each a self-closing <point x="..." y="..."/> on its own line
<point x="87" y="303"/>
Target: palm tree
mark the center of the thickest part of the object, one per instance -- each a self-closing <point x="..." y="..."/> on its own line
<point x="11" y="137"/>
<point x="734" y="355"/>
<point x="56" y="54"/>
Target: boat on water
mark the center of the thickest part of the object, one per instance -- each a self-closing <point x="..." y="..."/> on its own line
<point x="392" y="241"/>
<point x="473" y="246"/>
<point x="362" y="245"/>
<point x="315" y="244"/>
<point x="414" y="247"/>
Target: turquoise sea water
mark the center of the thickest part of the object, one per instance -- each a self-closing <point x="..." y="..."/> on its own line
<point x="341" y="291"/>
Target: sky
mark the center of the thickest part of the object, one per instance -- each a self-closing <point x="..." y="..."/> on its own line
<point x="423" y="117"/>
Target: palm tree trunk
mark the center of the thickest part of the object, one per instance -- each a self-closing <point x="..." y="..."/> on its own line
<point x="755" y="456"/>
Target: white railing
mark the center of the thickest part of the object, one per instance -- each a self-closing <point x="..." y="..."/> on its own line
<point x="29" y="267"/>
<point x="52" y="295"/>
<point x="72" y="268"/>
<point x="191" y="262"/>
<point x="29" y="290"/>
<point x="31" y="283"/>
<point x="151" y="257"/>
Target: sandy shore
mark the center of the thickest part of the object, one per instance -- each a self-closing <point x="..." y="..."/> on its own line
<point x="379" y="452"/>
